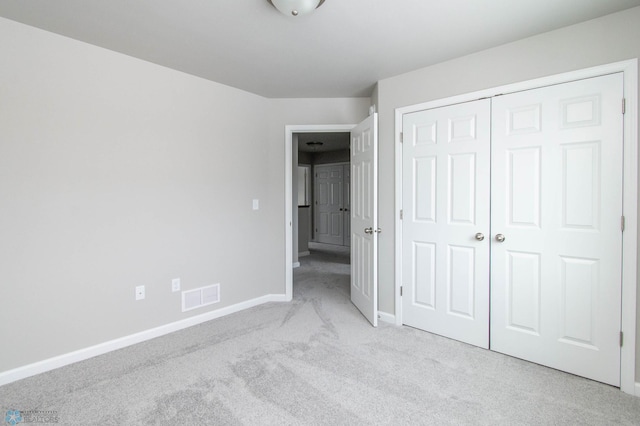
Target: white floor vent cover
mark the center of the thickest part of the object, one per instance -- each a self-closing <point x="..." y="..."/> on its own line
<point x="203" y="296"/>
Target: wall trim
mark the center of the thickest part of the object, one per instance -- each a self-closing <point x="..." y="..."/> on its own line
<point x="49" y="364"/>
<point x="272" y="298"/>
<point x="629" y="68"/>
<point x="638" y="389"/>
<point x="389" y="318"/>
<point x="304" y="253"/>
<point x="295" y="265"/>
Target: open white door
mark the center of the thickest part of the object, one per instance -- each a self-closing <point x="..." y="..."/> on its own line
<point x="364" y="218"/>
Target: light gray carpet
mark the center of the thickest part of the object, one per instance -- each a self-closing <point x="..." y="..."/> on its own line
<point x="314" y="361"/>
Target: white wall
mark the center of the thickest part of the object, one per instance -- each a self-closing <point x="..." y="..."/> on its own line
<point x="114" y="173"/>
<point x="609" y="39"/>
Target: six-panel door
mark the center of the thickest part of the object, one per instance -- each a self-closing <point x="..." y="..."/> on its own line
<point x="554" y="237"/>
<point x="329" y="200"/>
<point x="557" y="199"/>
<point x="364" y="218"/>
<point x="446" y="153"/>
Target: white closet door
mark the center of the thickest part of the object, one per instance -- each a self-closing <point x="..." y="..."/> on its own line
<point x="346" y="197"/>
<point x="445" y="229"/>
<point x="328" y="205"/>
<point x="557" y="200"/>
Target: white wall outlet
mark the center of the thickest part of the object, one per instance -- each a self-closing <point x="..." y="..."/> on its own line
<point x="140" y="292"/>
<point x="175" y="284"/>
<point x="256" y="204"/>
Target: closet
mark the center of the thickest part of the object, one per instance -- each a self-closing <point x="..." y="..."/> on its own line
<point x="511" y="230"/>
<point x="332" y="202"/>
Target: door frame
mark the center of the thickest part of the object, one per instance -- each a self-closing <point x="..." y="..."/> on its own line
<point x="629" y="69"/>
<point x="289" y="130"/>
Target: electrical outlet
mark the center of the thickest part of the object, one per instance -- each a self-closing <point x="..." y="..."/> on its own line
<point x="140" y="292"/>
<point x="256" y="204"/>
<point x="175" y="284"/>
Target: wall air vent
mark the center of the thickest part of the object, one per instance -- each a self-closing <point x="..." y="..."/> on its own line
<point x="199" y="297"/>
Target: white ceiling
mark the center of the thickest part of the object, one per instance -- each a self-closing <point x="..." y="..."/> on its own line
<point x="340" y="50"/>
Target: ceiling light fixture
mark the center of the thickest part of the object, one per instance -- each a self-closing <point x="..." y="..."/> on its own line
<point x="314" y="144"/>
<point x="296" y="7"/>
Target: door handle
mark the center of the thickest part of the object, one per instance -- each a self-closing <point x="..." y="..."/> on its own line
<point x="500" y="238"/>
<point x="479" y="236"/>
<point x="368" y="230"/>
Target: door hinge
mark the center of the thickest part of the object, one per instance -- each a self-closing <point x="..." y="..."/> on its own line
<point x="401" y="137"/>
<point x="401" y="214"/>
<point x="400" y="290"/>
<point x="622" y="223"/>
<point x="621" y="338"/>
<point x="624" y="105"/>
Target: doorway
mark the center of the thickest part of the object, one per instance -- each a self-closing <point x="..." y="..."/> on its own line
<point x="323" y="167"/>
<point x="364" y="216"/>
<point x="321" y="193"/>
<point x="295" y="136"/>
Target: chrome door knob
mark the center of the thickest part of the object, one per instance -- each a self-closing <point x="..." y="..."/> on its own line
<point x="479" y="236"/>
<point x="500" y="238"/>
<point x="368" y="230"/>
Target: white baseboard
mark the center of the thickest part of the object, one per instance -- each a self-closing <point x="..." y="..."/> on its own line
<point x="304" y="253"/>
<point x="638" y="389"/>
<point x="278" y="298"/>
<point x="122" y="342"/>
<point x="296" y="264"/>
<point x="383" y="316"/>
